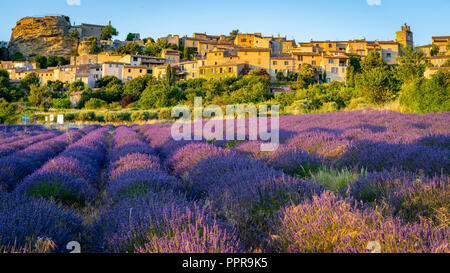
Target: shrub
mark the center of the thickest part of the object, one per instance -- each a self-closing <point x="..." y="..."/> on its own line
<point x="138" y="116"/>
<point x="425" y="96"/>
<point x="70" y="117"/>
<point x="329" y="107"/>
<point x="112" y="117"/>
<point x="95" y="104"/>
<point x="126" y="101"/>
<point x="61" y="103"/>
<point x="86" y="116"/>
<point x="165" y="114"/>
<point x="125" y="116"/>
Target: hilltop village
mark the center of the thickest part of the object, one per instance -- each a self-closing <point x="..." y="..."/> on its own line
<point x="94" y="54"/>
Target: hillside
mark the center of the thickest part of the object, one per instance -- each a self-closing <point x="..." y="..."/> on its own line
<point x="42" y="36"/>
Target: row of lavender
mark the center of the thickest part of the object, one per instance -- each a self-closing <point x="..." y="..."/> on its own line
<point x="184" y="196"/>
<point x="414" y="206"/>
<point x="41" y="206"/>
<point x="148" y="211"/>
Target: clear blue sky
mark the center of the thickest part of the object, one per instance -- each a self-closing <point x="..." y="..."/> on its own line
<point x="299" y="19"/>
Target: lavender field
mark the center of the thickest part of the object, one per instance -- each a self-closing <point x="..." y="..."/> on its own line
<point x="337" y="182"/>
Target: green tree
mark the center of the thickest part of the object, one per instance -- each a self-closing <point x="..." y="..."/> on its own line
<point x="234" y="33"/>
<point x="136" y="86"/>
<point x="63" y="103"/>
<point x="280" y="76"/>
<point x="76" y="86"/>
<point x="30" y="79"/>
<point x="18" y="57"/>
<point x="159" y="96"/>
<point x="353" y="68"/>
<point x="108" y="32"/>
<point x="155" y="49"/>
<point x="375" y="85"/>
<point x="426" y="96"/>
<point x="187" y="53"/>
<point x="373" y="60"/>
<point x="108" y="81"/>
<point x="93" y="45"/>
<point x="411" y="65"/>
<point x="53" y="61"/>
<point x="74" y="34"/>
<point x="95" y="104"/>
<point x="41" y="61"/>
<point x="306" y="76"/>
<point x="113" y="93"/>
<point x="38" y="95"/>
<point x="170" y="75"/>
<point x="7" y="110"/>
<point x="130" y="37"/>
<point x="434" y="50"/>
<point x="129" y="48"/>
<point x="324" y="77"/>
<point x="7" y="91"/>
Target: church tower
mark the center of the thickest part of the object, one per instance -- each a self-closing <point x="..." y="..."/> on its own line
<point x="405" y="36"/>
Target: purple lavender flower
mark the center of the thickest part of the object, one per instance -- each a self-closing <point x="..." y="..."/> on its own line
<point x="328" y="224"/>
<point x="25" y="218"/>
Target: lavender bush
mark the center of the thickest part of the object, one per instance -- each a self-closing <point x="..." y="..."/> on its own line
<point x="329" y="224"/>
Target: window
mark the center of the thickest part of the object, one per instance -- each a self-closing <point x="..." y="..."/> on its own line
<point x="388" y="55"/>
<point x="330" y="45"/>
<point x="129" y="70"/>
<point x="330" y="61"/>
<point x="275" y="62"/>
<point x="244" y="40"/>
<point x="221" y="70"/>
<point x="286" y="63"/>
<point x="230" y="69"/>
<point x="343" y="70"/>
<point x="140" y="70"/>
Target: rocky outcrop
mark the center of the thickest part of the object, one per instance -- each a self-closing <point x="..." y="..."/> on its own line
<point x="43" y="36"/>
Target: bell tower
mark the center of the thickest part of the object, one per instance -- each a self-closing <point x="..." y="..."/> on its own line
<point x="405" y="36"/>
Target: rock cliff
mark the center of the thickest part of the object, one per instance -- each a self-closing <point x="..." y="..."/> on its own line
<point x="42" y="36"/>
